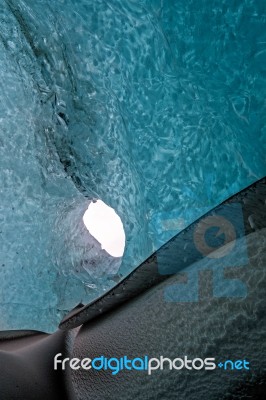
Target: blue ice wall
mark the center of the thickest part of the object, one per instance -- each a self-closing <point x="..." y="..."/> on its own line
<point x="156" y="107"/>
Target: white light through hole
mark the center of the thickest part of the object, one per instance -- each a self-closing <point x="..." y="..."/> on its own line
<point x="106" y="227"/>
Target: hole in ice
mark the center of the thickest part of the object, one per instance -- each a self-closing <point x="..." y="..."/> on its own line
<point x="105" y="225"/>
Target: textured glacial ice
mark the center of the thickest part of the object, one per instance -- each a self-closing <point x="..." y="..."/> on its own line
<point x="155" y="107"/>
<point x="223" y="327"/>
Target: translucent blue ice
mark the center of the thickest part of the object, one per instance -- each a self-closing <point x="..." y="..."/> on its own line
<point x="156" y="107"/>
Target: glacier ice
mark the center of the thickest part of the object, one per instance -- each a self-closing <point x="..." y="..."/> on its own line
<point x="156" y="108"/>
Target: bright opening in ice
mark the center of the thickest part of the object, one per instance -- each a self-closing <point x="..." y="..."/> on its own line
<point x="106" y="227"/>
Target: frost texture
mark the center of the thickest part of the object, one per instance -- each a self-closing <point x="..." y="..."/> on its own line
<point x="151" y="106"/>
